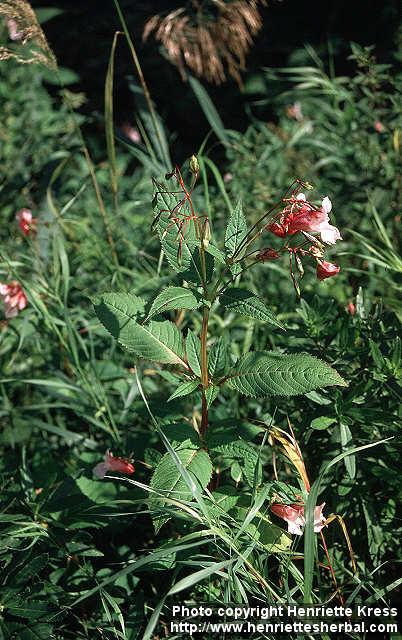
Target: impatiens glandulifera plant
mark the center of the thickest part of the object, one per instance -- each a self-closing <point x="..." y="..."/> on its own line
<point x="207" y="276"/>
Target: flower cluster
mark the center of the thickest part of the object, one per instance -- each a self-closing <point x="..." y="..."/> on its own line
<point x="13" y="297"/>
<point x="300" y="216"/>
<point x="113" y="463"/>
<point x="26" y="222"/>
<point x="293" y="514"/>
<point x="12" y="294"/>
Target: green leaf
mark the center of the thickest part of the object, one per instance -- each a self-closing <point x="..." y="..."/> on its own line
<point x="216" y="253"/>
<point x="109" y="119"/>
<point x="44" y="14"/>
<point x="245" y="302"/>
<point x="179" y="432"/>
<point x="209" y="110"/>
<point x="218" y="358"/>
<point x="168" y="479"/>
<point x="133" y="305"/>
<point x="193" y="351"/>
<point x="347" y="442"/>
<point x="178" y="240"/>
<point x="245" y="455"/>
<point x="157" y="341"/>
<point x="31" y="609"/>
<point x="236" y="471"/>
<point x="285" y="492"/>
<point x="198" y="576"/>
<point x="31" y="569"/>
<point x="211" y="393"/>
<point x="275" y="539"/>
<point x="323" y="422"/>
<point x="173" y="298"/>
<point x="266" y="373"/>
<point x="35" y="631"/>
<point x="192" y="274"/>
<point x="184" y="389"/>
<point x="236" y="230"/>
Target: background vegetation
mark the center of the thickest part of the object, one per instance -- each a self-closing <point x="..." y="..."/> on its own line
<point x="80" y="557"/>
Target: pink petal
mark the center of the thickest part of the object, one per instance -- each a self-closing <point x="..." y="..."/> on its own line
<point x="319" y="518"/>
<point x="296" y="526"/>
<point x="326" y="205"/>
<point x="329" y="233"/>
<point x="22" y="303"/>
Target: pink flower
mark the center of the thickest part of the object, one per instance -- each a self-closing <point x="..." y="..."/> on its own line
<point x="26" y="222"/>
<point x="301" y="215"/>
<point x="13" y="297"/>
<point x="308" y="218"/>
<point x="228" y="177"/>
<point x="294" y="111"/>
<point x="351" y="308"/>
<point x="379" y="127"/>
<point x="294" y="515"/>
<point x="326" y="269"/>
<point x="132" y="133"/>
<point x="113" y="463"/>
<point x="13" y="32"/>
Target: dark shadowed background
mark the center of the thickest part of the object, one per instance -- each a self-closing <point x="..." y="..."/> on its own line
<point x="81" y="38"/>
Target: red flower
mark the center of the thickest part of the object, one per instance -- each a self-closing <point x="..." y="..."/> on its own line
<point x="278" y="229"/>
<point x="267" y="254"/>
<point x="301" y="215"/>
<point x="326" y="269"/>
<point x="293" y="514"/>
<point x="26" y="222"/>
<point x="13" y="297"/>
<point x="113" y="463"/>
<point x="351" y="308"/>
<point x="379" y="127"/>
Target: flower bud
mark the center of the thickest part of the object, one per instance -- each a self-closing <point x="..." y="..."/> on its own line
<point x="267" y="254"/>
<point x="206" y="234"/>
<point x="299" y="264"/>
<point x="326" y="269"/>
<point x="194" y="166"/>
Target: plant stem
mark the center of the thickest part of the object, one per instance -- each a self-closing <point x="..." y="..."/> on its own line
<point x="331" y="569"/>
<point x="249" y="238"/>
<point x="204" y="370"/>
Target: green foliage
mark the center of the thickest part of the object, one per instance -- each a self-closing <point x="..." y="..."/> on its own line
<point x="244" y="302"/>
<point x="157" y="341"/>
<point x="173" y="298"/>
<point x="260" y="374"/>
<point x="201" y="325"/>
<point x="167" y="480"/>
